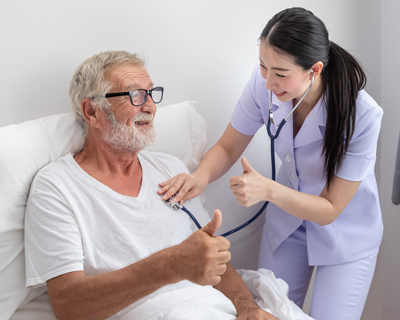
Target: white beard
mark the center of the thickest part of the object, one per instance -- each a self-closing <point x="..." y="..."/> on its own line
<point x="129" y="139"/>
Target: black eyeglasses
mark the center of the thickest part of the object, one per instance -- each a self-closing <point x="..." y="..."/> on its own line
<point x="139" y="96"/>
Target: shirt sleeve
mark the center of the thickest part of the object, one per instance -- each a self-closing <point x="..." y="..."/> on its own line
<point x="360" y="158"/>
<point x="53" y="243"/>
<point x="247" y="117"/>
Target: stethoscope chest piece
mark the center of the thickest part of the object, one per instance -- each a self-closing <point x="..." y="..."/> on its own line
<point x="172" y="205"/>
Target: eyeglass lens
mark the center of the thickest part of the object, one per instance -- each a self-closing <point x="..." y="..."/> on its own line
<point x="139" y="96"/>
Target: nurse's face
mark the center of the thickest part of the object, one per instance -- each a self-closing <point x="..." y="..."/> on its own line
<point x="287" y="80"/>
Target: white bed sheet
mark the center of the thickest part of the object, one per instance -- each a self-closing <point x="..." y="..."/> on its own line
<point x="191" y="303"/>
<point x="36" y="309"/>
<point x="270" y="294"/>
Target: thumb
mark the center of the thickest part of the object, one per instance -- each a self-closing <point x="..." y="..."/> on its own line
<point x="212" y="227"/>
<point x="246" y="165"/>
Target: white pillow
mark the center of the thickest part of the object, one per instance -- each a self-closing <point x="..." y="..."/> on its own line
<point x="181" y="131"/>
<point x="24" y="149"/>
<point x="29" y="146"/>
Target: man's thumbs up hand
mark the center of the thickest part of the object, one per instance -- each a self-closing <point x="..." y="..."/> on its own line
<point x="212" y="227"/>
<point x="202" y="258"/>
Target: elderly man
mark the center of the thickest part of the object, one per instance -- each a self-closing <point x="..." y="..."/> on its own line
<point x="98" y="234"/>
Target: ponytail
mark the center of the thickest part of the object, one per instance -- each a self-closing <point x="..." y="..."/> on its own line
<point x="342" y="79"/>
<point x="303" y="36"/>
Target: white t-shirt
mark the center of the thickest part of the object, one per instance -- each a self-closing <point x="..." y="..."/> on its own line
<point x="75" y="223"/>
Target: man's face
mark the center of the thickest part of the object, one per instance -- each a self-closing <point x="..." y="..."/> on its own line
<point x="129" y="128"/>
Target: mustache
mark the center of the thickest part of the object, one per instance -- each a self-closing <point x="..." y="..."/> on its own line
<point x="142" y="116"/>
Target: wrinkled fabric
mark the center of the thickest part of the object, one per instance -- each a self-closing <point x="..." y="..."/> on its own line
<point x="205" y="304"/>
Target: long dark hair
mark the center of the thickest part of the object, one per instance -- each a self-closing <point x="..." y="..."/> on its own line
<point x="298" y="33"/>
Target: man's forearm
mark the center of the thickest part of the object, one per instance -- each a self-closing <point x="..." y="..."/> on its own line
<point x="76" y="296"/>
<point x="201" y="259"/>
<point x="235" y="289"/>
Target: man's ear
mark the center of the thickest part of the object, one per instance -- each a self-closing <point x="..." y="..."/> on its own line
<point x="90" y="113"/>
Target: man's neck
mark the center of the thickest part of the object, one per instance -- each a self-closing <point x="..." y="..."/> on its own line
<point x="119" y="171"/>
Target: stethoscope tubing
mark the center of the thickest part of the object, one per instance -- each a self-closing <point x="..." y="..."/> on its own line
<point x="272" y="139"/>
<point x="258" y="214"/>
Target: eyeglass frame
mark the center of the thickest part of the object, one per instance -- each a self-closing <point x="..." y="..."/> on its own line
<point x="129" y="93"/>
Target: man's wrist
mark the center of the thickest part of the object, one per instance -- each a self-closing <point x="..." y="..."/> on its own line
<point x="171" y="265"/>
<point x="245" y="305"/>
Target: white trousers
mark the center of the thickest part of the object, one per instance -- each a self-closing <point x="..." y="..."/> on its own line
<point x="340" y="291"/>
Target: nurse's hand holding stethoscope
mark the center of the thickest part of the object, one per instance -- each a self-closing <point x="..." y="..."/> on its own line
<point x="250" y="187"/>
<point x="188" y="185"/>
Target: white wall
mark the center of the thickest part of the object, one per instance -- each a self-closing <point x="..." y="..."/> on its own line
<point x="366" y="47"/>
<point x="198" y="50"/>
<point x="390" y="71"/>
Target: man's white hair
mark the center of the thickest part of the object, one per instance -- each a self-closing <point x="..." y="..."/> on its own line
<point x="89" y="80"/>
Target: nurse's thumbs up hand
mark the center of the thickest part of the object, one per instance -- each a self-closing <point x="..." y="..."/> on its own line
<point x="250" y="187"/>
<point x="202" y="258"/>
<point x="246" y="166"/>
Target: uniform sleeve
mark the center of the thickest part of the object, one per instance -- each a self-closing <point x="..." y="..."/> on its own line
<point x="53" y="243"/>
<point x="360" y="158"/>
<point x="247" y="117"/>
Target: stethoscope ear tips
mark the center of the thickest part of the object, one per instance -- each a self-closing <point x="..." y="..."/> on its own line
<point x="312" y="74"/>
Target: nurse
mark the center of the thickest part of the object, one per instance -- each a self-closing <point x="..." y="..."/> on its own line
<point x="324" y="207"/>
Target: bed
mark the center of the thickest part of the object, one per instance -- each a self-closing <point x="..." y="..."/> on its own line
<point x="27" y="147"/>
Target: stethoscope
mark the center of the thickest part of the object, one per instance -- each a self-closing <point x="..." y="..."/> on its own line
<point x="176" y="206"/>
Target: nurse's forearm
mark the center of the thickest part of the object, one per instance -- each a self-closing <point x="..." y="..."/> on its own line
<point x="302" y="205"/>
<point x="215" y="164"/>
<point x="221" y="157"/>
<point x="322" y="209"/>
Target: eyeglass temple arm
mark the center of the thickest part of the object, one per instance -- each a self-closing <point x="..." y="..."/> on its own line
<point x="117" y="94"/>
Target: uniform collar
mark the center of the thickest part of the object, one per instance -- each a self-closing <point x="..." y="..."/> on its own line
<point x="312" y="129"/>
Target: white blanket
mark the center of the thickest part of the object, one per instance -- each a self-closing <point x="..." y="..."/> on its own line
<point x="271" y="294"/>
<point x="204" y="303"/>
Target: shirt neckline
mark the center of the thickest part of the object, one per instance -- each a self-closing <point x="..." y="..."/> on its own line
<point x="104" y="188"/>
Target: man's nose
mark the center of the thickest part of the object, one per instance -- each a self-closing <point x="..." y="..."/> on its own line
<point x="149" y="105"/>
